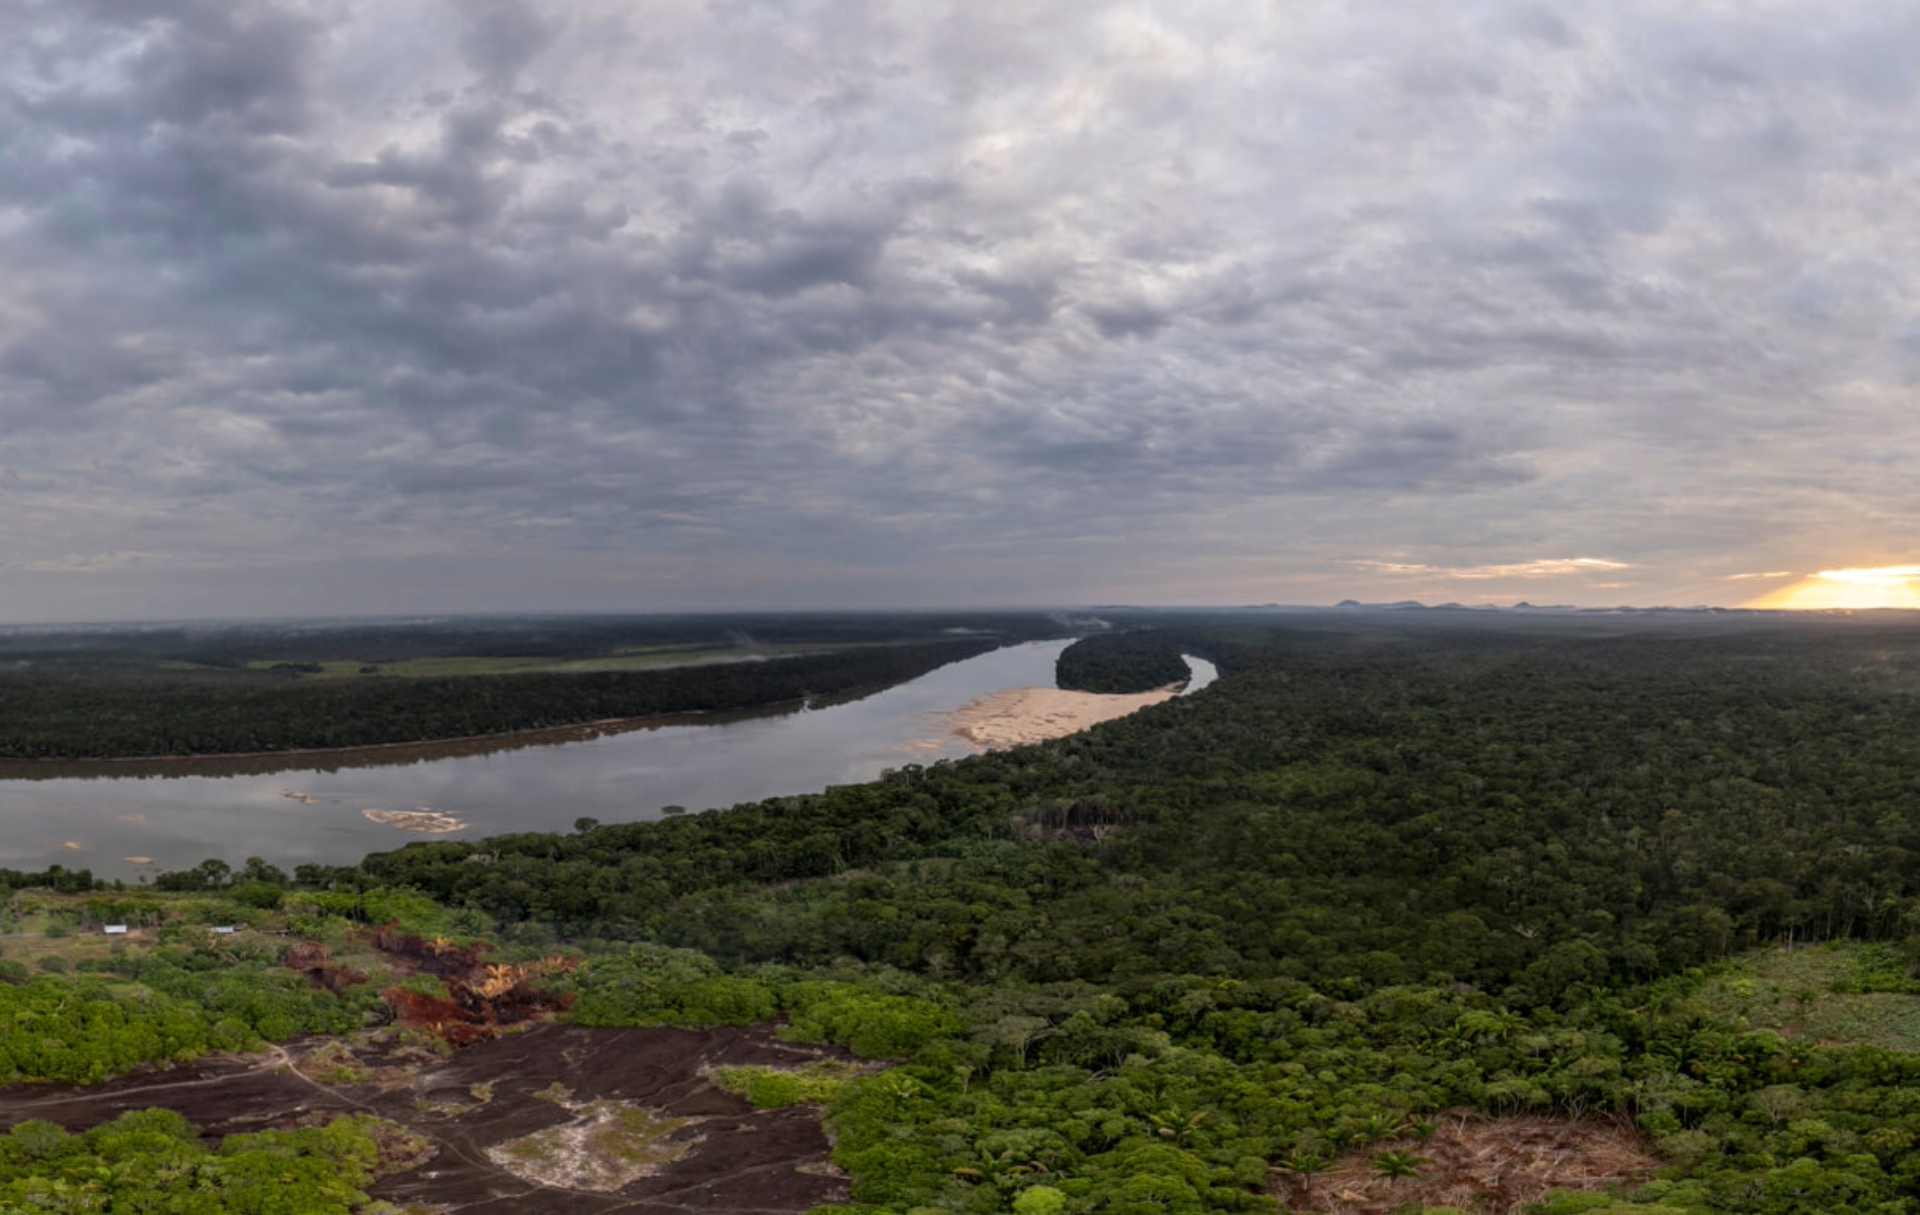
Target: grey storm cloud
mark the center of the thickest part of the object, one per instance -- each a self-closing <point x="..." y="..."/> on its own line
<point x="334" y="304"/>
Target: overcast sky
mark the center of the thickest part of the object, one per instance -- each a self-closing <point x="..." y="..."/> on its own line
<point x="399" y="305"/>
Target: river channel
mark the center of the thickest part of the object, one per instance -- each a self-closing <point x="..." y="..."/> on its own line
<point x="125" y="819"/>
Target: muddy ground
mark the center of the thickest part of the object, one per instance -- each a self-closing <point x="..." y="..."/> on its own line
<point x="743" y="1160"/>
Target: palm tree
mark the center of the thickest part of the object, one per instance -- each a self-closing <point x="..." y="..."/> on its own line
<point x="1304" y="1165"/>
<point x="1398" y="1164"/>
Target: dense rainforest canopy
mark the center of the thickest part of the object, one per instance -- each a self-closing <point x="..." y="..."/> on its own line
<point x="1121" y="662"/>
<point x="1190" y="960"/>
<point x="1507" y="813"/>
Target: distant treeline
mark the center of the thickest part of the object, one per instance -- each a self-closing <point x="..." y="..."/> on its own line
<point x="1122" y="662"/>
<point x="230" y="647"/>
<point x="101" y="715"/>
<point x="54" y="877"/>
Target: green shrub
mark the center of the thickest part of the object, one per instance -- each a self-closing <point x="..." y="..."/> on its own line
<point x="258" y="894"/>
<point x="85" y="1028"/>
<point x="1040" y="1200"/>
<point x="870" y="1025"/>
<point x="153" y="1160"/>
<point x="650" y="985"/>
<point x="770" y="1088"/>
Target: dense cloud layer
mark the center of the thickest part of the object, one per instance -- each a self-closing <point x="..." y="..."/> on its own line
<point x="485" y="303"/>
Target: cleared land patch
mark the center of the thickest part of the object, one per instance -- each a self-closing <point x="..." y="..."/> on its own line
<point x="1844" y="993"/>
<point x="1489" y="1166"/>
<point x="609" y="1145"/>
<point x="632" y="1098"/>
<point x="772" y="1088"/>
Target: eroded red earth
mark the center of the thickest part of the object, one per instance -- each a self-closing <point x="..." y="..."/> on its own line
<point x="483" y="999"/>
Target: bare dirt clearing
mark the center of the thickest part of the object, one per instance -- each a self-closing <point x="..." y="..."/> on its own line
<point x="648" y="1124"/>
<point x="1491" y="1166"/>
<point x="608" y="1145"/>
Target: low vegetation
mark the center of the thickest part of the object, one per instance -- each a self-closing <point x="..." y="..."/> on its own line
<point x="153" y="1160"/>
<point x="169" y="1006"/>
<point x="1839" y="993"/>
<point x="776" y="1088"/>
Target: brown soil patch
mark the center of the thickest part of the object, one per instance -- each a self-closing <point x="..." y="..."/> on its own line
<point x="739" y="1161"/>
<point x="311" y="959"/>
<point x="1490" y="1166"/>
<point x="483" y="999"/>
<point x="437" y="956"/>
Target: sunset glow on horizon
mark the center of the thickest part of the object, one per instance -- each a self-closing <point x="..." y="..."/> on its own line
<point x="1886" y="586"/>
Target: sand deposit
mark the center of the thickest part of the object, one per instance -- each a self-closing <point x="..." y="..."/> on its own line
<point x="429" y="822"/>
<point x="1028" y="715"/>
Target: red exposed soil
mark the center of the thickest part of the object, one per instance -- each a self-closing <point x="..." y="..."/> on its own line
<point x="746" y="1162"/>
<point x="1491" y="1166"/>
<point x="311" y="959"/>
<point x="436" y="957"/>
<point x="482" y="999"/>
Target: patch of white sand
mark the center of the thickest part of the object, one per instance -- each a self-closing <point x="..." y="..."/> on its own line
<point x="1029" y="715"/>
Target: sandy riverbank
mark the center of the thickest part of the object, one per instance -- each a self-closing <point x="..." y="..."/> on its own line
<point x="1028" y="715"/>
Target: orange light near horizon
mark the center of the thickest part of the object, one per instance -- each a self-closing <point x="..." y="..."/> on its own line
<point x="1886" y="586"/>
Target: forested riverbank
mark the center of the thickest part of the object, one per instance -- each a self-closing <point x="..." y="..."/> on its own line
<point x="1377" y="905"/>
<point x="115" y="714"/>
<point x="1489" y="809"/>
<point x="1139" y="661"/>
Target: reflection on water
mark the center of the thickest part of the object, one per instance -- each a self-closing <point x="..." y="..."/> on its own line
<point x="121" y="818"/>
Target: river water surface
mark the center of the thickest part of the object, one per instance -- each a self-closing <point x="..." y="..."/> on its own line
<point x="297" y="808"/>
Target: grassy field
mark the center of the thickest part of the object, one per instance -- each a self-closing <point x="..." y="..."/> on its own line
<point x="1844" y="993"/>
<point x="38" y="925"/>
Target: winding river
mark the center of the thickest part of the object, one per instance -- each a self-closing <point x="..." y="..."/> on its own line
<point x="123" y="819"/>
